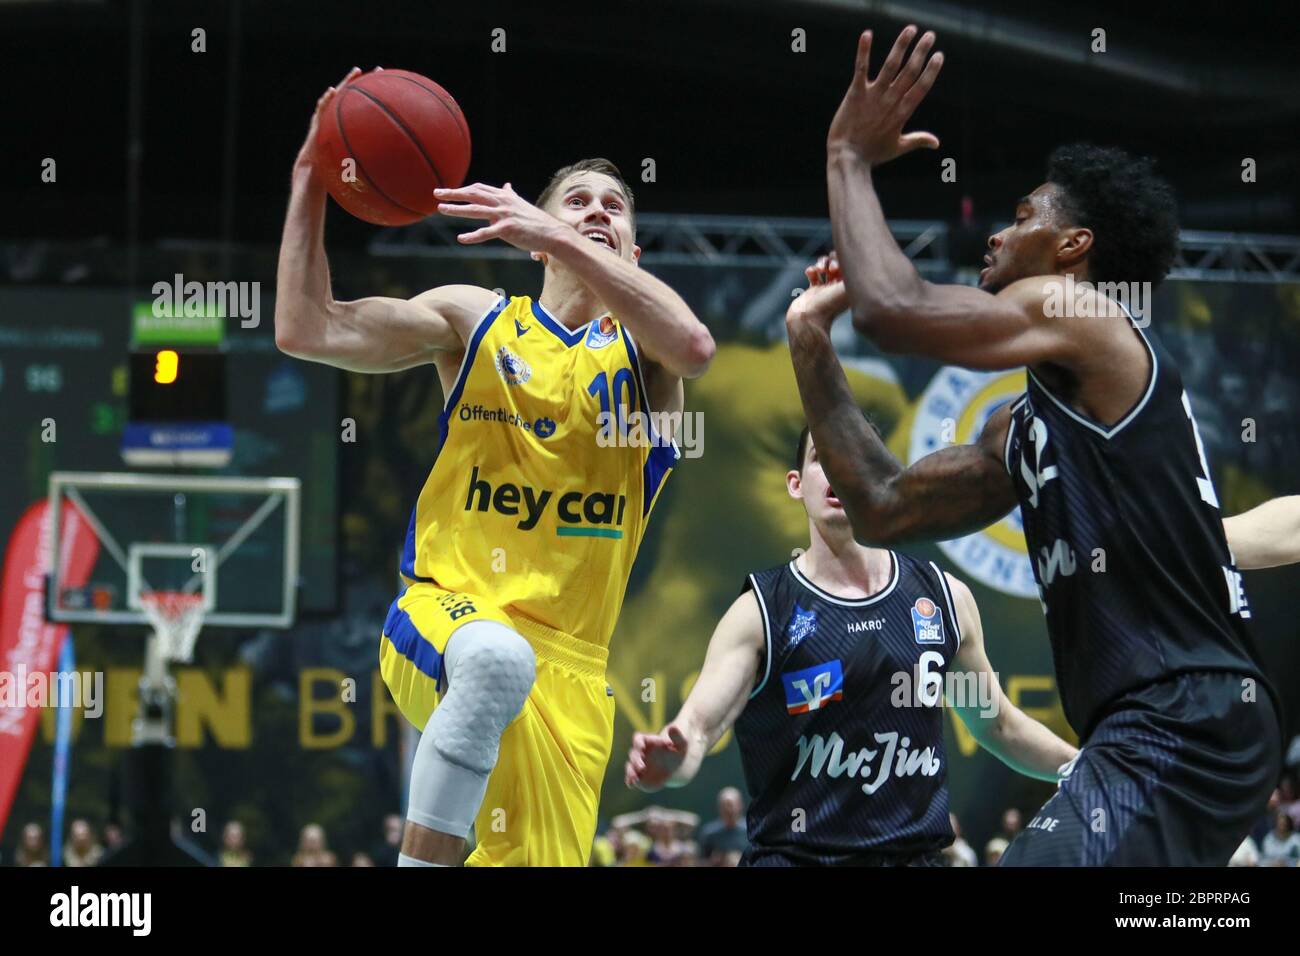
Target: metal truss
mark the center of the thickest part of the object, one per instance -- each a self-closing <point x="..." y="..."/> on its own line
<point x="667" y="239"/>
<point x="749" y="241"/>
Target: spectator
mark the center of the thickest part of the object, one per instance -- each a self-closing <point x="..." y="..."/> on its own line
<point x="664" y="845"/>
<point x="32" y="850"/>
<point x="113" y="837"/>
<point x="1282" y="846"/>
<point x="82" y="848"/>
<point x="1265" y="824"/>
<point x="960" y="853"/>
<point x="234" y="849"/>
<point x="385" y="852"/>
<point x="634" y="849"/>
<point x="1290" y="804"/>
<point x="722" y="841"/>
<point x="312" y="850"/>
<point x="362" y="859"/>
<point x="993" y="851"/>
<point x="604" y="851"/>
<point x="1247" y="854"/>
<point x="1012" y="824"/>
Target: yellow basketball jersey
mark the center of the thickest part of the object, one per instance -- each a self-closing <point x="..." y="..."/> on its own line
<point x="546" y="473"/>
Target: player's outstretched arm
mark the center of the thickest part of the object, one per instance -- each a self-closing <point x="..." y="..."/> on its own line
<point x="1001" y="728"/>
<point x="672" y="757"/>
<point x="892" y="305"/>
<point x="376" y="334"/>
<point x="1266" y="536"/>
<point x="952" y="492"/>
<point x="665" y="327"/>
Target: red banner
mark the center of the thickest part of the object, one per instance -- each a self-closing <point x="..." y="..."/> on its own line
<point x="30" y="645"/>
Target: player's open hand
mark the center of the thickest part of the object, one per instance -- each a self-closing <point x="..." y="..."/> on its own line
<point x="308" y="151"/>
<point x="654" y="758"/>
<point x="869" y="123"/>
<point x="509" y="216"/>
<point x="824" y="299"/>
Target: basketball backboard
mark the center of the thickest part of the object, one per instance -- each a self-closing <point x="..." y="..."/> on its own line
<point x="231" y="540"/>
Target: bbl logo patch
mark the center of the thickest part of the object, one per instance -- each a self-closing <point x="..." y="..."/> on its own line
<point x="801" y="625"/>
<point x="813" y="687"/>
<point x="601" y="333"/>
<point x="511" y="367"/>
<point x="544" y="427"/>
<point x="927" y="622"/>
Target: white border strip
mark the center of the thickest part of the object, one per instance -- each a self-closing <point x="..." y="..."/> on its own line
<point x="468" y="356"/>
<point x="767" y="636"/>
<point x="947" y="596"/>
<point x="845" y="602"/>
<point x="1114" y="430"/>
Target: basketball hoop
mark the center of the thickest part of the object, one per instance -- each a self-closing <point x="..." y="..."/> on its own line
<point x="176" y="617"/>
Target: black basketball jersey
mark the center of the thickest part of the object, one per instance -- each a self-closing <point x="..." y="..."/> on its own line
<point x="842" y="738"/>
<point x="1126" y="540"/>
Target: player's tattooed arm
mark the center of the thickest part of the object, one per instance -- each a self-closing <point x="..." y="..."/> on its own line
<point x="1000" y="727"/>
<point x="672" y="757"/>
<point x="952" y="492"/>
<point x="375" y="334"/>
<point x="1266" y="536"/>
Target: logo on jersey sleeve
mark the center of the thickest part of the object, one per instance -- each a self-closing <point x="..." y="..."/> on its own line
<point x="511" y="367"/>
<point x="601" y="333"/>
<point x="813" y="687"/>
<point x="802" y="623"/>
<point x="927" y="622"/>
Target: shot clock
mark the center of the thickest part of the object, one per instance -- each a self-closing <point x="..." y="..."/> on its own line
<point x="177" y="407"/>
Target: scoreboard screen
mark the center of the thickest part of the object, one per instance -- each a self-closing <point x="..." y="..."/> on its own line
<point x="177" y="385"/>
<point x="71" y="387"/>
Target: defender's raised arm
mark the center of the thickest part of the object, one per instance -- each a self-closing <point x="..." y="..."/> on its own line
<point x="949" y="493"/>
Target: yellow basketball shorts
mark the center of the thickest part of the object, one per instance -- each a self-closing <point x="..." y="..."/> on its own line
<point x="542" y="797"/>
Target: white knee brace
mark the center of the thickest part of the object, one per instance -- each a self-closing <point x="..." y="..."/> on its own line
<point x="490" y="670"/>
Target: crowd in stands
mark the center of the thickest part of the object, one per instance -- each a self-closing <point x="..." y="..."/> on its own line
<point x="655" y="836"/>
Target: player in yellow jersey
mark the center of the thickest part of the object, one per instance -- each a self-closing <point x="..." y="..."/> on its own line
<point x="554" y="445"/>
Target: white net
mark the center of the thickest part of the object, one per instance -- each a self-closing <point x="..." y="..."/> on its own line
<point x="176" y="617"/>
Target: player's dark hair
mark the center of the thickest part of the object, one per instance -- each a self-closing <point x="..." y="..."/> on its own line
<point x="1130" y="210"/>
<point x="597" y="165"/>
<point x="801" y="448"/>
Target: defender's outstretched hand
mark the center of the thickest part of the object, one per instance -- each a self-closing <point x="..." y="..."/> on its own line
<point x="869" y="122"/>
<point x="654" y="758"/>
<point x="825" y="298"/>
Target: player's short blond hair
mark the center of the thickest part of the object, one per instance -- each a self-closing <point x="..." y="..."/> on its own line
<point x="595" y="165"/>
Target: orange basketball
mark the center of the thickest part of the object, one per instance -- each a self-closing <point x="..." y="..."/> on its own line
<point x="405" y="137"/>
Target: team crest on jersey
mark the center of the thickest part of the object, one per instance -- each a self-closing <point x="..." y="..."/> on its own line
<point x="813" y="687"/>
<point x="511" y="367"/>
<point x="601" y="333"/>
<point x="927" y="622"/>
<point x="801" y="625"/>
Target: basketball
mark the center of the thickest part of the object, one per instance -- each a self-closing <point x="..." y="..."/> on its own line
<point x="405" y="137"/>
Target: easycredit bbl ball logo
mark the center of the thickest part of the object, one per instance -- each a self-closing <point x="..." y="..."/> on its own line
<point x="952" y="411"/>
